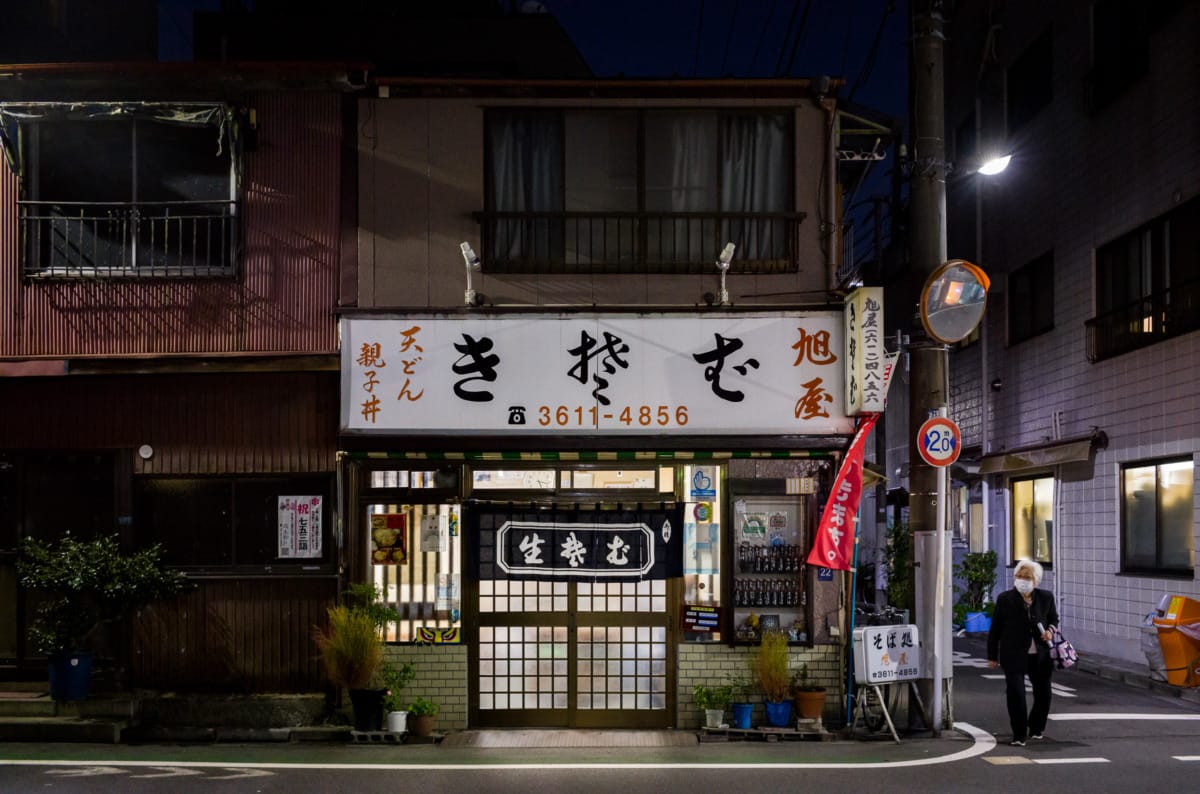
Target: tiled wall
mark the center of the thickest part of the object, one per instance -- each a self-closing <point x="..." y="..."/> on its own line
<point x="441" y="677"/>
<point x="1078" y="180"/>
<point x="713" y="664"/>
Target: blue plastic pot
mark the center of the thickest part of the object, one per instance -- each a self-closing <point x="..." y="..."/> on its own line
<point x="741" y="714"/>
<point x="779" y="714"/>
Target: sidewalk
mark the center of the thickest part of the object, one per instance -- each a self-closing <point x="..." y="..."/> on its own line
<point x="31" y="716"/>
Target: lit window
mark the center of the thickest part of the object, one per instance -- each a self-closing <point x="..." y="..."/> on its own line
<point x="1157" y="517"/>
<point x="1033" y="519"/>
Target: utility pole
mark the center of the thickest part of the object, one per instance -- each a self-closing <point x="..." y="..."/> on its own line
<point x="928" y="359"/>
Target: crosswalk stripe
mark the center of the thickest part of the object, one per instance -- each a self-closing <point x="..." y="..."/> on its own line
<point x="1084" y="760"/>
<point x="1186" y="757"/>
<point x="1116" y="716"/>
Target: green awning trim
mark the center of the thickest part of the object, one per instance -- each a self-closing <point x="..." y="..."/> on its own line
<point x="587" y="457"/>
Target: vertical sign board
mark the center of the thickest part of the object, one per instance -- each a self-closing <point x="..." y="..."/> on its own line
<point x="866" y="359"/>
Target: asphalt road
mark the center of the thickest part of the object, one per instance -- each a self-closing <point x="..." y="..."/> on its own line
<point x="1103" y="736"/>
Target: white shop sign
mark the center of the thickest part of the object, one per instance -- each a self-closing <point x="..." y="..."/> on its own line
<point x="883" y="654"/>
<point x="729" y="374"/>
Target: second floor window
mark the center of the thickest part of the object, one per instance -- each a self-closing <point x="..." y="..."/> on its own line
<point x="628" y="191"/>
<point x="1031" y="299"/>
<point x="1157" y="518"/>
<point x="1148" y="284"/>
<point x="124" y="190"/>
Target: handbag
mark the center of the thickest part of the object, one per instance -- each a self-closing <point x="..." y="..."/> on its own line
<point x="1061" y="650"/>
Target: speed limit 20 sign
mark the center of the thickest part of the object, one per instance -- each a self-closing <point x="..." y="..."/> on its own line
<point x="939" y="441"/>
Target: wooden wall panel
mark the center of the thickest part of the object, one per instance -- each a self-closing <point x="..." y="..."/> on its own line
<point x="243" y="636"/>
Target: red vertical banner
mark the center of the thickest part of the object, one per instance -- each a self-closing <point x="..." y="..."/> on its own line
<point x="834" y="544"/>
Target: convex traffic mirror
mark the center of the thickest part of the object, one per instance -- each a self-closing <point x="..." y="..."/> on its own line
<point x="953" y="300"/>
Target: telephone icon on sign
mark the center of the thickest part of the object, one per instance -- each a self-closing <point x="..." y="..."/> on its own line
<point x="516" y="414"/>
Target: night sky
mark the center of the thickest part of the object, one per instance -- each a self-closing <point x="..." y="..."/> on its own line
<point x="707" y="38"/>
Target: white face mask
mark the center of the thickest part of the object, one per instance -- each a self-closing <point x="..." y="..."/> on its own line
<point x="1024" y="586"/>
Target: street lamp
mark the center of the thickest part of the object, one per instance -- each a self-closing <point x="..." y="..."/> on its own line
<point x="995" y="165"/>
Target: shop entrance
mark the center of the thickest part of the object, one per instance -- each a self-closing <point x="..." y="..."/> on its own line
<point x="571" y="600"/>
<point x="573" y="654"/>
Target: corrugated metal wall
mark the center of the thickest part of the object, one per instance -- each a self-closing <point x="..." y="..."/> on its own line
<point x="281" y="301"/>
<point x="197" y="424"/>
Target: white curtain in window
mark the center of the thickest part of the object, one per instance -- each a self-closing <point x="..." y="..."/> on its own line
<point x="527" y="176"/>
<point x="755" y="177"/>
<point x="681" y="176"/>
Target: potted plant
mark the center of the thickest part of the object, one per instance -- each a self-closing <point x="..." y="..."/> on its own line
<point x="739" y="695"/>
<point x="422" y="713"/>
<point x="350" y="646"/>
<point x="807" y="696"/>
<point x="395" y="678"/>
<point x="87" y="584"/>
<point x="713" y="700"/>
<point x="974" y="608"/>
<point x="771" y="672"/>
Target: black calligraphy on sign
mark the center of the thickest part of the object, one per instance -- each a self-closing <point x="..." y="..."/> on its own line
<point x="575" y="545"/>
<point x="478" y="363"/>
<point x="610" y="357"/>
<point x="715" y="358"/>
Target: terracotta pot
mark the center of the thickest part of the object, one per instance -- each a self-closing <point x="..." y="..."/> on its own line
<point x="810" y="704"/>
<point x="421" y="725"/>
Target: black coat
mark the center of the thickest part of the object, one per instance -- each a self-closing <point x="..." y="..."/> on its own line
<point x="1013" y="626"/>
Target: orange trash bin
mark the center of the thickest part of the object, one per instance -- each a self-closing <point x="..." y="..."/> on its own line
<point x="1178" y="626"/>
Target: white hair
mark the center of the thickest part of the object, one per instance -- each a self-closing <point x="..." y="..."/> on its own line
<point x="1034" y="568"/>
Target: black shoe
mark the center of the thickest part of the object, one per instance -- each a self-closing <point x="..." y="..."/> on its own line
<point x="1017" y="743"/>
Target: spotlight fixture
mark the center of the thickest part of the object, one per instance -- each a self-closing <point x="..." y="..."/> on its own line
<point x="470" y="297"/>
<point x="723" y="265"/>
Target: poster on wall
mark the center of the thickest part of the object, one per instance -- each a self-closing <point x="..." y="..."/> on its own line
<point x="389" y="544"/>
<point x="448" y="600"/>
<point x="754" y="527"/>
<point x="701" y="545"/>
<point x="300" y="527"/>
<point x="435" y="533"/>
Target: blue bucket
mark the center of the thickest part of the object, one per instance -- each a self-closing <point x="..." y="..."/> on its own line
<point x="741" y="714"/>
<point x="977" y="623"/>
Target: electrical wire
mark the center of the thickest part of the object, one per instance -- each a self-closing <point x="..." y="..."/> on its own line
<point x="787" y="36"/>
<point x="762" y="34"/>
<point x="729" y="34"/>
<point x="796" y="40"/>
<point x="868" y="66"/>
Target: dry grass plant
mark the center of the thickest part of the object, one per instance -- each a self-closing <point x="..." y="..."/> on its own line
<point x="349" y="647"/>
<point x="771" y="667"/>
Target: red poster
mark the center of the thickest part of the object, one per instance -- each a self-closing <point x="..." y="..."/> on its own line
<point x="834" y="544"/>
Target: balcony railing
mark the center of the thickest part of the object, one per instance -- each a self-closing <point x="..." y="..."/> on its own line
<point x="1144" y="321"/>
<point x="638" y="242"/>
<point x="128" y="239"/>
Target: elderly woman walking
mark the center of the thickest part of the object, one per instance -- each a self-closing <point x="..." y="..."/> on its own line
<point x="1019" y="643"/>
